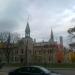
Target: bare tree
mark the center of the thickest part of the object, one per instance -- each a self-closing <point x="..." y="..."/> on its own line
<point x="4" y="36"/>
<point x="8" y="48"/>
<point x="7" y="39"/>
<point x="71" y="32"/>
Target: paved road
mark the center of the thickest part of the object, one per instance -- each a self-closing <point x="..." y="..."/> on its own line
<point x="5" y="70"/>
<point x="65" y="71"/>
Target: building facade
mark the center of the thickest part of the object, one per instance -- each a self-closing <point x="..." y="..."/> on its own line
<point x="28" y="51"/>
<point x="33" y="52"/>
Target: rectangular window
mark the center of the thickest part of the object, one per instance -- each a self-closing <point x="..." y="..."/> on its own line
<point x="22" y="51"/>
<point x="16" y="51"/>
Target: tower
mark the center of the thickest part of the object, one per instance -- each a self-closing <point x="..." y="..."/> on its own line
<point x="27" y="31"/>
<point x="61" y="41"/>
<point x="28" y="45"/>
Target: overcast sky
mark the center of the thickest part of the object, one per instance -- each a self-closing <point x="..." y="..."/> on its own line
<point x="43" y="15"/>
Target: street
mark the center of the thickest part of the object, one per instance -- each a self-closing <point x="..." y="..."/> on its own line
<point x="5" y="70"/>
<point x="65" y="71"/>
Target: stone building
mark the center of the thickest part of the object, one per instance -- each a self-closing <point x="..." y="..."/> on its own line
<point x="33" y="52"/>
<point x="27" y="51"/>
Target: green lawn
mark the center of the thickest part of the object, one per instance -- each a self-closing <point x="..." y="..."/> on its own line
<point x="60" y="65"/>
<point x="48" y="65"/>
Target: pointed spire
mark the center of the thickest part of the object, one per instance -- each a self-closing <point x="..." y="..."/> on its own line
<point x="52" y="36"/>
<point x="27" y="30"/>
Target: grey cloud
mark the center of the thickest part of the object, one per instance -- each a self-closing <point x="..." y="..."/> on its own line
<point x="12" y="15"/>
<point x="7" y="25"/>
<point x="73" y="20"/>
<point x="44" y="14"/>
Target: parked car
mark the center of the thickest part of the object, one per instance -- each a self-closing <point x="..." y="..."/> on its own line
<point x="32" y="70"/>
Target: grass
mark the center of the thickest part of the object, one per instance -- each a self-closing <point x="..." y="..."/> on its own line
<point x="60" y="65"/>
<point x="47" y="65"/>
<point x="14" y="65"/>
